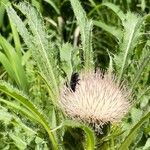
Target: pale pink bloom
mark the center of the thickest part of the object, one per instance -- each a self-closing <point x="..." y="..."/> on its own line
<point x="98" y="99"/>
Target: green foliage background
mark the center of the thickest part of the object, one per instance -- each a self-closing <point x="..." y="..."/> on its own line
<point x="42" y="42"/>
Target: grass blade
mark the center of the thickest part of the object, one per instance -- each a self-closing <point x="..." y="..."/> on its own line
<point x="5" y="62"/>
<point x="2" y="11"/>
<point x="110" y="29"/>
<point x="16" y="39"/>
<point x="115" y="9"/>
<point x="15" y="66"/>
<point x="131" y="136"/>
<point x="53" y="5"/>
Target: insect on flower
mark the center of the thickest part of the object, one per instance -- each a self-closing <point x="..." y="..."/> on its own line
<point x="97" y="99"/>
<point x="74" y="81"/>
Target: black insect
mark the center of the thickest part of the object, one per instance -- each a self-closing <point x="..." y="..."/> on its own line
<point x="74" y="81"/>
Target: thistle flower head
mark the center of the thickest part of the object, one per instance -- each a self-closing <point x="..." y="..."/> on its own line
<point x="97" y="99"/>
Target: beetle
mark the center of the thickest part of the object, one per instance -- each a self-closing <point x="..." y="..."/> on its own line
<point x="74" y="81"/>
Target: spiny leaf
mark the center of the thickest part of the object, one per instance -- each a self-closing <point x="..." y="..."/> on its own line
<point x="85" y="26"/>
<point x="16" y="94"/>
<point x="66" y="59"/>
<point x="18" y="141"/>
<point x="131" y="34"/>
<point x="142" y="65"/>
<point x="19" y="108"/>
<point x="16" y="39"/>
<point x="20" y="26"/>
<point x="37" y="41"/>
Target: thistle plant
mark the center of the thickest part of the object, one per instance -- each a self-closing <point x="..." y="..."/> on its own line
<point x="38" y="55"/>
<point x="98" y="99"/>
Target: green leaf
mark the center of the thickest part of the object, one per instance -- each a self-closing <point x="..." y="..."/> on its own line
<point x="37" y="41"/>
<point x="19" y="108"/>
<point x="2" y="11"/>
<point x="115" y="9"/>
<point x="147" y="145"/>
<point x="89" y="134"/>
<point x="21" y="134"/>
<point x="117" y="33"/>
<point x="20" y="26"/>
<point x="16" y="39"/>
<point x="66" y="59"/>
<point x="142" y="65"/>
<point x="143" y="5"/>
<point x="14" y="67"/>
<point x="18" y="141"/>
<point x="14" y="93"/>
<point x="131" y="34"/>
<point x="85" y="26"/>
<point x="131" y="136"/>
<point x="5" y="62"/>
<point x="38" y="5"/>
<point x="53" y="5"/>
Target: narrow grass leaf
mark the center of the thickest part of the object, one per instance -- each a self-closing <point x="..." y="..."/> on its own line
<point x="15" y="64"/>
<point x="53" y="5"/>
<point x="117" y="33"/>
<point x="5" y="62"/>
<point x="2" y="11"/>
<point x="16" y="39"/>
<point x="115" y="9"/>
<point x="131" y="136"/>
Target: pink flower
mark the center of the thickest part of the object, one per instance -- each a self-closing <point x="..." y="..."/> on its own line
<point x="98" y="99"/>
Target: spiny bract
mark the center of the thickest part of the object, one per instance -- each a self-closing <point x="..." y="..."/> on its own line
<point x="98" y="99"/>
